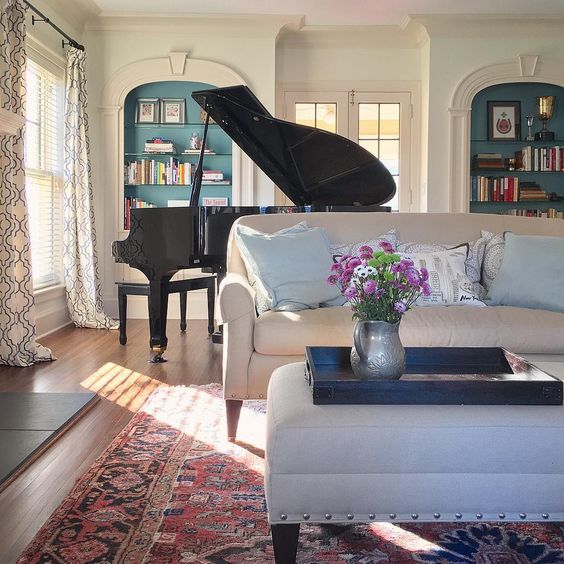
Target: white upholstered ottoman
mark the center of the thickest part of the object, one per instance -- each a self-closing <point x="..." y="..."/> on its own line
<point x="359" y="463"/>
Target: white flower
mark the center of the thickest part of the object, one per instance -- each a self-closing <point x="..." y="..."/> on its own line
<point x="370" y="270"/>
<point x="360" y="271"/>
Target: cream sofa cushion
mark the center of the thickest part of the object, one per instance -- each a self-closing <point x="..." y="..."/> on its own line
<point x="520" y="330"/>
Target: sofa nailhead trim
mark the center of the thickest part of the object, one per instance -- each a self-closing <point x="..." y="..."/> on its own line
<point x="328" y="516"/>
<point x="307" y="516"/>
<point x="437" y="515"/>
<point x="350" y="516"/>
<point x="545" y="515"/>
<point x="523" y="515"/>
<point x="415" y="516"/>
<point x="371" y="516"/>
<point x="283" y="516"/>
<point x="458" y="515"/>
<point x="392" y="515"/>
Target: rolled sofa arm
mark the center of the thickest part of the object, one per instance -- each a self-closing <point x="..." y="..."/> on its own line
<point x="237" y="311"/>
<point x="236" y="298"/>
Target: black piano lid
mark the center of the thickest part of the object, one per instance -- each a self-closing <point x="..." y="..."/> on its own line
<point x="309" y="165"/>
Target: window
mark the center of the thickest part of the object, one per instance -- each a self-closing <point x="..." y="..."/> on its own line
<point x="44" y="169"/>
<point x="377" y="121"/>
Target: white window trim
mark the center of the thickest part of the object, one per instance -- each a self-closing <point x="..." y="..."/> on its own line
<point x="413" y="87"/>
<point x="50" y="302"/>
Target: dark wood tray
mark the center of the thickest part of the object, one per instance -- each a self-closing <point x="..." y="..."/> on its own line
<point x="434" y="376"/>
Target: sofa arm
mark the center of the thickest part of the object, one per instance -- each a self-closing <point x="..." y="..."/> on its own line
<point x="236" y="298"/>
<point x="237" y="310"/>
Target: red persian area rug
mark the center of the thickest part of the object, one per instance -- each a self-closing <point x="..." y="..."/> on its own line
<point x="170" y="489"/>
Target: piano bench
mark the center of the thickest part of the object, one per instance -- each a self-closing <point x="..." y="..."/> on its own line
<point x="181" y="287"/>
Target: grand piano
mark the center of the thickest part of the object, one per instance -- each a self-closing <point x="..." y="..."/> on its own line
<point x="317" y="170"/>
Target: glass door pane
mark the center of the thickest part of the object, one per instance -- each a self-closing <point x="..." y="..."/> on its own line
<point x="379" y="122"/>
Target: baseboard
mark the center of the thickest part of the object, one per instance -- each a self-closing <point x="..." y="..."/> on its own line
<point x="51" y="311"/>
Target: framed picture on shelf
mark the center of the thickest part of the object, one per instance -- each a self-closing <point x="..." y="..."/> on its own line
<point x="504" y="121"/>
<point x="173" y="110"/>
<point x="147" y="110"/>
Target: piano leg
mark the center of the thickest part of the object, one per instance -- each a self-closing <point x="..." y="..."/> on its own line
<point x="158" y="305"/>
<point x="183" y="304"/>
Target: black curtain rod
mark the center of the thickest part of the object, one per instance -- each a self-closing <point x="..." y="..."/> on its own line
<point x="69" y="40"/>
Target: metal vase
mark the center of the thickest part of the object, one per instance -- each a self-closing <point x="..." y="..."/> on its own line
<point x="377" y="353"/>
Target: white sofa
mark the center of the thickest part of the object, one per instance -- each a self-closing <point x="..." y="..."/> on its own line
<point x="254" y="346"/>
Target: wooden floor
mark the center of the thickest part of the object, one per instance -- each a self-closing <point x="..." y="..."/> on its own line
<point x="90" y="359"/>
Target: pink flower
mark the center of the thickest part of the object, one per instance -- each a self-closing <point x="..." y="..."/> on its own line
<point x="355" y="261"/>
<point x="400" y="307"/>
<point x="332" y="279"/>
<point x="350" y="293"/>
<point x="369" y="287"/>
<point x="426" y="288"/>
<point x="336" y="267"/>
<point x="424" y="274"/>
<point x="412" y="276"/>
<point x="386" y="246"/>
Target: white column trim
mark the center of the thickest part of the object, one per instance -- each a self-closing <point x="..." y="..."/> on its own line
<point x="524" y="68"/>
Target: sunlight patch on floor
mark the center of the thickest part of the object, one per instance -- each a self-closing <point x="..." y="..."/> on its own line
<point x="121" y="385"/>
<point x="404" y="539"/>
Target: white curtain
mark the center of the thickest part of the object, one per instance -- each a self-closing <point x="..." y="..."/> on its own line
<point x="82" y="281"/>
<point x="17" y="309"/>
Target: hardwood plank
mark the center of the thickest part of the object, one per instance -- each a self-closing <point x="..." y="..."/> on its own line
<point x="93" y="360"/>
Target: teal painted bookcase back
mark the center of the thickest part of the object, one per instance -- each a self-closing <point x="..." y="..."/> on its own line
<point x="526" y="94"/>
<point x="136" y="134"/>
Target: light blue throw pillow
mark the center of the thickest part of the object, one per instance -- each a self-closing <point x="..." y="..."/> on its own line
<point x="291" y="266"/>
<point x="531" y="274"/>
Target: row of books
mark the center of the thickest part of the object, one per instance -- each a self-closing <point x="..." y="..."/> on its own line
<point x="130" y="203"/>
<point x="550" y="213"/>
<point x="505" y="189"/>
<point x="488" y="161"/>
<point x="147" y="171"/>
<point x="495" y="189"/>
<point x="540" y="159"/>
<point x="158" y="145"/>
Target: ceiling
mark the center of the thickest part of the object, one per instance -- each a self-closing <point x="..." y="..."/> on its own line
<point x="336" y="12"/>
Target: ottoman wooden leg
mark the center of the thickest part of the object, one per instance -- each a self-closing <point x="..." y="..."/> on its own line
<point x="285" y="542"/>
<point x="232" y="412"/>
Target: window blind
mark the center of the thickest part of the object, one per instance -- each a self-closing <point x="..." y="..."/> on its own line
<point x="44" y="171"/>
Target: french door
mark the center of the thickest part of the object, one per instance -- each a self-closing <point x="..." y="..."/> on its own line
<point x="378" y="121"/>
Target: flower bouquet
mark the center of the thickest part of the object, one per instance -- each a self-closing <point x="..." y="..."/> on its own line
<point x="380" y="287"/>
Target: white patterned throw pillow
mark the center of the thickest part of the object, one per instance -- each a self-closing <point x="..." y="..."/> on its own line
<point x="473" y="262"/>
<point x="493" y="257"/>
<point x="353" y="248"/>
<point x="447" y="277"/>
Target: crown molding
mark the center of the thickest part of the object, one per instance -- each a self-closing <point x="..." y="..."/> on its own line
<point x="201" y="24"/>
<point x="485" y="24"/>
<point x="384" y="36"/>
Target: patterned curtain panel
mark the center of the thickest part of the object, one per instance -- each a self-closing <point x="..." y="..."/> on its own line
<point x="82" y="281"/>
<point x="17" y="310"/>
